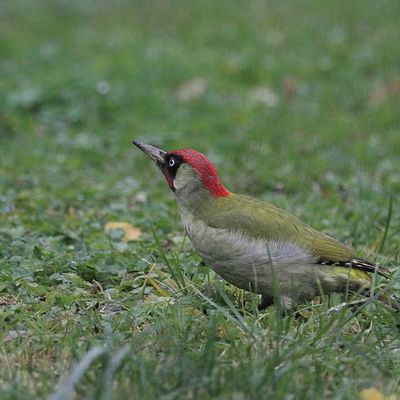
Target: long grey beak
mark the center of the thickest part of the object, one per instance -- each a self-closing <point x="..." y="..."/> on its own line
<point x="153" y="152"/>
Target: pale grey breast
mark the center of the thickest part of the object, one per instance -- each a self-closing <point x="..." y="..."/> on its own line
<point x="241" y="260"/>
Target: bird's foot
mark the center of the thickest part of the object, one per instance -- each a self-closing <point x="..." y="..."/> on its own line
<point x="266" y="301"/>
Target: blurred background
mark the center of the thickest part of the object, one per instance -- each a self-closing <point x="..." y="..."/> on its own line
<point x="296" y="99"/>
<point x="296" y="102"/>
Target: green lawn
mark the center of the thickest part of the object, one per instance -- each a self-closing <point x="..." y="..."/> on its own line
<point x="296" y="102"/>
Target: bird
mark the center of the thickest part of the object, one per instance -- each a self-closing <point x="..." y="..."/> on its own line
<point x="255" y="245"/>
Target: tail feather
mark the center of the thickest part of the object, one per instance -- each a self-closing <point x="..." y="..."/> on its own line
<point x="358" y="263"/>
<point x="363" y="265"/>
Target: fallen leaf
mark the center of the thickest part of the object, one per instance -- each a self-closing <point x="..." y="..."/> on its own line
<point x="375" y="394"/>
<point x="192" y="89"/>
<point x="157" y="287"/>
<point x="129" y="231"/>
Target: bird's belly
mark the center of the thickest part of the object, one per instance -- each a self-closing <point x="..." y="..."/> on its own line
<point x="251" y="264"/>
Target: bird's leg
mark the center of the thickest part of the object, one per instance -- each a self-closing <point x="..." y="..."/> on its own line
<point x="266" y="301"/>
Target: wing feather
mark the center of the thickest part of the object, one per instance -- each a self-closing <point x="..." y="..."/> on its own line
<point x="265" y="221"/>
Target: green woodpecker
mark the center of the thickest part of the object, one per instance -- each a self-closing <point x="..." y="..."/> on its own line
<point x="253" y="244"/>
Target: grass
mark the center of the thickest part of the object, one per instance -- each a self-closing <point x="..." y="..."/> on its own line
<point x="295" y="102"/>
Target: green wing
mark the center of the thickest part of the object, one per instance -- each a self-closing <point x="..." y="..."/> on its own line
<point x="263" y="220"/>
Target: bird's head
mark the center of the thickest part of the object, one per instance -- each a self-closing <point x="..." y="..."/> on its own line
<point x="187" y="171"/>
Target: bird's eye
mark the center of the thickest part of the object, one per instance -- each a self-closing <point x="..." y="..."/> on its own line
<point x="171" y="162"/>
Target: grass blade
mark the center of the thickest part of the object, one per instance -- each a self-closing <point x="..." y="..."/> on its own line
<point x="66" y="390"/>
